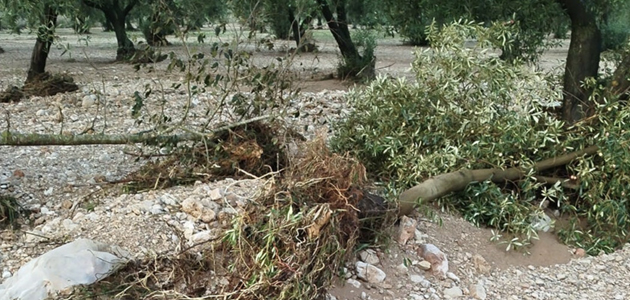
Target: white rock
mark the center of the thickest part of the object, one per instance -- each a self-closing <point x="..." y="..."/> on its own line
<point x="189" y="228"/>
<point x="369" y="256"/>
<point x="204" y="236"/>
<point x="44" y="210"/>
<point x="78" y="217"/>
<point x="370" y="273"/>
<point x="452" y="276"/>
<point x="424" y="265"/>
<point x="402" y="269"/>
<point x="6" y="274"/>
<point x="478" y="291"/>
<point x="168" y="199"/>
<point x="49" y="191"/>
<point x="453" y="292"/>
<point x="215" y="194"/>
<point x="69" y="225"/>
<point x="354" y="283"/>
<point x="437" y="258"/>
<point x="330" y="297"/>
<point x="416" y="278"/>
<point x="88" y="101"/>
<point x="157" y="209"/>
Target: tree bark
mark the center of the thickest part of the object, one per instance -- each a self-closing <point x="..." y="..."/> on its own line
<point x="620" y="85"/>
<point x="354" y="65"/>
<point x="8" y="138"/>
<point x="339" y="28"/>
<point x="42" y="45"/>
<point x="582" y="60"/>
<point x="116" y="16"/>
<point x="444" y="184"/>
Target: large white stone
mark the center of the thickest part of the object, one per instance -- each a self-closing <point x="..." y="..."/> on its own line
<point x="370" y="273"/>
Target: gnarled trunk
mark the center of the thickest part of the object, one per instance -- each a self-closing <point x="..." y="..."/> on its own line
<point x="116" y="16"/>
<point x="354" y="63"/>
<point x="42" y="45"/>
<point x="582" y="60"/>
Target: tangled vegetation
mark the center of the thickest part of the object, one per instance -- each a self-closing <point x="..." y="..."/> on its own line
<point x="288" y="244"/>
<point x="468" y="109"/>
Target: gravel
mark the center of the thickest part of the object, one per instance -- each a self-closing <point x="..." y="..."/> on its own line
<point x="62" y="187"/>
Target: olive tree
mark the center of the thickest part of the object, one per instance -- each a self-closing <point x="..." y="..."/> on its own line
<point x="116" y="12"/>
<point x="42" y="17"/>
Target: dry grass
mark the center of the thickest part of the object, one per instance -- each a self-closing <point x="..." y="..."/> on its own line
<point x="289" y="244"/>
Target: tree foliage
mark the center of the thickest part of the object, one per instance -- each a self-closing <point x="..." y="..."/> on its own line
<point x="470" y="110"/>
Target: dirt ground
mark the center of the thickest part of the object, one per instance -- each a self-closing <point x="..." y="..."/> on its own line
<point x="94" y="63"/>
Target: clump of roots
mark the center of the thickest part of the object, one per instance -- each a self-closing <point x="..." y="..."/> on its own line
<point x="252" y="149"/>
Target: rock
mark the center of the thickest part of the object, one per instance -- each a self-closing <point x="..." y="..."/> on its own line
<point x="453" y="292"/>
<point x="80" y="262"/>
<point x="452" y="276"/>
<point x="407" y="229"/>
<point x="353" y="282"/>
<point x="478" y="291"/>
<point x="208" y="215"/>
<point x="579" y="252"/>
<point x="66" y="204"/>
<point x="420" y="237"/>
<point x="168" y="199"/>
<point x="78" y="217"/>
<point x="88" y="101"/>
<point x="402" y="269"/>
<point x="330" y="297"/>
<point x="49" y="191"/>
<point x="416" y="278"/>
<point x="6" y="274"/>
<point x="204" y="236"/>
<point x="437" y="258"/>
<point x="69" y="225"/>
<point x="369" y="273"/>
<point x="424" y="265"/>
<point x="18" y="173"/>
<point x="369" y="256"/>
<point x="215" y="194"/>
<point x="481" y="265"/>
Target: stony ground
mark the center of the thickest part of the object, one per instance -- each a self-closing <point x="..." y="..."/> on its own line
<point x="66" y="188"/>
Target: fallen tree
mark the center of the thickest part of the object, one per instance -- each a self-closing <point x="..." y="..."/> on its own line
<point x="444" y="184"/>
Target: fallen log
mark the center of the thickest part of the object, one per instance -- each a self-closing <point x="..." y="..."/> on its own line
<point x="9" y="138"/>
<point x="444" y="184"/>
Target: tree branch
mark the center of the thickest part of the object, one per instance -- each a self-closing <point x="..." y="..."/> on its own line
<point x="444" y="184"/>
<point x="94" y="4"/>
<point x="129" y="7"/>
<point x="8" y="138"/>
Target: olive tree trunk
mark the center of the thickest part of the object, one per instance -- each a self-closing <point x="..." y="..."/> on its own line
<point x="116" y="15"/>
<point x="582" y="60"/>
<point x="37" y="67"/>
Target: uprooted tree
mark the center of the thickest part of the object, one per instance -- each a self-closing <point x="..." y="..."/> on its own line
<point x="481" y="136"/>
